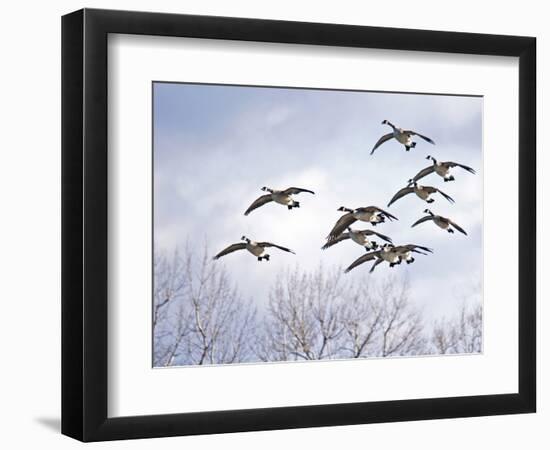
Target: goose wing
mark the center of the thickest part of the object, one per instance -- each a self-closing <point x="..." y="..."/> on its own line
<point x="343" y="222"/>
<point x="401" y="193"/>
<point x="462" y="166"/>
<point x="385" y="213"/>
<point x="422" y="220"/>
<point x="232" y="248"/>
<point x="378" y="261"/>
<point x="270" y="244"/>
<point x="432" y="190"/>
<point x="412" y="248"/>
<point x="366" y="257"/>
<point x="383" y="139"/>
<point x="260" y="201"/>
<point x="340" y="238"/>
<point x="448" y="197"/>
<point x="376" y="233"/>
<point x="458" y="228"/>
<point x="426" y="138"/>
<point x="296" y="190"/>
<point x="423" y="173"/>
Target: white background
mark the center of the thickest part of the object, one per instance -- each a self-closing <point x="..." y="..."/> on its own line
<point x="136" y="389"/>
<point x="30" y="182"/>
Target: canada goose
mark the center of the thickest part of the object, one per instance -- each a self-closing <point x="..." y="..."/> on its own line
<point x="256" y="248"/>
<point x="442" y="222"/>
<point x="359" y="237"/>
<point x="384" y="254"/>
<point x="423" y="192"/>
<point x="282" y="197"/>
<point x="441" y="168"/>
<point x="402" y="136"/>
<point x="371" y="214"/>
<point x="391" y="254"/>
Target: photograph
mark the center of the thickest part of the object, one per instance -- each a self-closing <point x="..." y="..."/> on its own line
<point x="296" y="224"/>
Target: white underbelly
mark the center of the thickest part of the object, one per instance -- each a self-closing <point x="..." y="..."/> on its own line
<point x="441" y="170"/>
<point x="256" y="250"/>
<point x="358" y="238"/>
<point x="390" y="257"/>
<point x="421" y="193"/>
<point x="405" y="255"/>
<point x="282" y="199"/>
<point x="403" y="138"/>
<point x="364" y="216"/>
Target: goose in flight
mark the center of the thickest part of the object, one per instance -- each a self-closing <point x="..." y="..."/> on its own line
<point x="391" y="254"/>
<point x="371" y="214"/>
<point x="359" y="237"/>
<point x="443" y="169"/>
<point x="256" y="248"/>
<point x="283" y="197"/>
<point x="442" y="222"/>
<point x="402" y="136"/>
<point x="422" y="192"/>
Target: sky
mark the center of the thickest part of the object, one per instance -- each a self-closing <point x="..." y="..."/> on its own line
<point x="215" y="146"/>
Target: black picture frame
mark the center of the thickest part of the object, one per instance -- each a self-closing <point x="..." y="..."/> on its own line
<point x="84" y="224"/>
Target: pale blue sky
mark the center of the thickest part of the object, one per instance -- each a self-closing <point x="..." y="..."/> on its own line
<point x="216" y="146"/>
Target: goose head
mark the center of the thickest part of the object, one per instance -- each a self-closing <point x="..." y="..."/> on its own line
<point x="266" y="189"/>
<point x="432" y="158"/>
<point x="343" y="208"/>
<point x="412" y="183"/>
<point x="244" y="238"/>
<point x="384" y="122"/>
<point x="427" y="211"/>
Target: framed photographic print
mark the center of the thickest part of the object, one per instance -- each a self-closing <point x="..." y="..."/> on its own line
<point x="273" y="224"/>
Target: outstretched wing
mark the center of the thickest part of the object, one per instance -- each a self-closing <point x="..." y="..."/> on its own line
<point x="423" y="219"/>
<point x="462" y="166"/>
<point x="232" y="248"/>
<point x="458" y="228"/>
<point x="448" y="197"/>
<point x="386" y="213"/>
<point x="423" y="173"/>
<point x="258" y="202"/>
<point x="378" y="261"/>
<point x="270" y="244"/>
<point x="366" y="257"/>
<point x="401" y="193"/>
<point x="343" y="222"/>
<point x="413" y="248"/>
<point x="376" y="233"/>
<point x="426" y="138"/>
<point x="296" y="190"/>
<point x="383" y="139"/>
<point x="340" y="238"/>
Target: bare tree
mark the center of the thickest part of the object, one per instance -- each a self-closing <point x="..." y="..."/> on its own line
<point x="324" y="316"/>
<point x="199" y="317"/>
<point x="304" y="317"/>
<point x="204" y="320"/>
<point x="169" y="325"/>
<point x="462" y="334"/>
<point x="401" y="327"/>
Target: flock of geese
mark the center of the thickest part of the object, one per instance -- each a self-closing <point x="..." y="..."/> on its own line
<point x="373" y="215"/>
